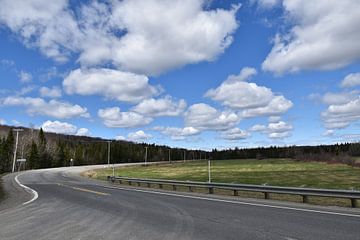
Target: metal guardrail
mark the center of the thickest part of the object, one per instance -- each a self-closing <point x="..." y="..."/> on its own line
<point x="352" y="195"/>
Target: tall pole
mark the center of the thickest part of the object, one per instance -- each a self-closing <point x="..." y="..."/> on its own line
<point x="184" y="155"/>
<point x="109" y="153"/>
<point x="209" y="170"/>
<point x="146" y="155"/>
<point x="169" y="155"/>
<point x="17" y="130"/>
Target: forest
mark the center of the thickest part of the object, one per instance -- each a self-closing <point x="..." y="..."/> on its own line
<point x="45" y="150"/>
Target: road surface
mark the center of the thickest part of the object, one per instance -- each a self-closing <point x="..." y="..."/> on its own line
<point x="71" y="207"/>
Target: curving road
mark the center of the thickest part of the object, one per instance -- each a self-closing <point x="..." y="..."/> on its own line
<point x="72" y="207"/>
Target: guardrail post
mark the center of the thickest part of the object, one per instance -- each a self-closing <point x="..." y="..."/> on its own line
<point x="211" y="190"/>
<point x="139" y="184"/>
<point x="174" y="187"/>
<point x="120" y="181"/>
<point x="129" y="183"/>
<point x="160" y="186"/>
<point x="148" y="185"/>
<point x="305" y="198"/>
<point x="267" y="195"/>
<point x="190" y="189"/>
<point x="236" y="193"/>
<point x="353" y="203"/>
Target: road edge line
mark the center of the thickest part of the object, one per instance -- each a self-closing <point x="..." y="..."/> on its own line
<point x="29" y="190"/>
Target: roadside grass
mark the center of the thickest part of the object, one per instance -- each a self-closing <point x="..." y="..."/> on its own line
<point x="275" y="172"/>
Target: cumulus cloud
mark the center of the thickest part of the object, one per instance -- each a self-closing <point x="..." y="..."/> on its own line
<point x="351" y="80"/>
<point x="2" y="121"/>
<point x="275" y="130"/>
<point x="83" y="132"/>
<point x="110" y="83"/>
<point x="338" y="116"/>
<point x="204" y="117"/>
<point x="176" y="133"/>
<point x="114" y="118"/>
<point x="52" y="108"/>
<point x="138" y="136"/>
<point x="252" y="99"/>
<point x="331" y="98"/>
<point x="234" y="134"/>
<point x="59" y="127"/>
<point x="160" y="107"/>
<point x="54" y="92"/>
<point x="64" y="128"/>
<point x="25" y="77"/>
<point x="323" y="36"/>
<point x="156" y="36"/>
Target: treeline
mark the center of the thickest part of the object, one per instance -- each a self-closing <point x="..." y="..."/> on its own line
<point x="337" y="153"/>
<point x="45" y="150"/>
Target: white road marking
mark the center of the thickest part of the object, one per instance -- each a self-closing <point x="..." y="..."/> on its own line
<point x="29" y="190"/>
<point x="236" y="202"/>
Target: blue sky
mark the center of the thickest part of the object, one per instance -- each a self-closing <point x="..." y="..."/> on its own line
<point x="193" y="73"/>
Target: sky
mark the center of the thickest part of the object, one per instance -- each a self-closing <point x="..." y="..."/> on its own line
<point x="198" y="74"/>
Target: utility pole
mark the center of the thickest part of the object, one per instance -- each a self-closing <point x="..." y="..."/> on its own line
<point x="209" y="170"/>
<point x="17" y="130"/>
<point x="146" y="155"/>
<point x="184" y="155"/>
<point x="108" y="153"/>
<point x="169" y="155"/>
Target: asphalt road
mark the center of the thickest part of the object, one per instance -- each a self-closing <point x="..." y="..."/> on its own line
<point x="71" y="207"/>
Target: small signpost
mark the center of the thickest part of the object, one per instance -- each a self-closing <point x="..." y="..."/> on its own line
<point x="21" y="162"/>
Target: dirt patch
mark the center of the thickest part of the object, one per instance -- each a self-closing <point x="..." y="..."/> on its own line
<point x="89" y="174"/>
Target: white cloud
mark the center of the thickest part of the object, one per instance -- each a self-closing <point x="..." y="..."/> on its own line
<point x="112" y="84"/>
<point x="54" y="92"/>
<point x="59" y="127"/>
<point x="160" y="107"/>
<point x="278" y="105"/>
<point x="329" y="132"/>
<point x="53" y="108"/>
<point x="273" y="119"/>
<point x="265" y="4"/>
<point x="83" y="132"/>
<point x="235" y="134"/>
<point x="351" y="80"/>
<point x="2" y="121"/>
<point x="176" y="133"/>
<point x="156" y="35"/>
<point x="120" y="138"/>
<point x="138" y="136"/>
<point x="25" y="77"/>
<point x="324" y="36"/>
<point x="339" y="98"/>
<point x="275" y="130"/>
<point x="202" y="116"/>
<point x="252" y="99"/>
<point x="341" y="115"/>
<point x="64" y="128"/>
<point x="114" y="118"/>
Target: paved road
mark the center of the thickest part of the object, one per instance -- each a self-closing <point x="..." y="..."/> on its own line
<point x="71" y="207"/>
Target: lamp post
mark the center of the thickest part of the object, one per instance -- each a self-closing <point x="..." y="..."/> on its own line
<point x="209" y="171"/>
<point x="17" y="130"/>
<point x="146" y="149"/>
<point x="108" y="153"/>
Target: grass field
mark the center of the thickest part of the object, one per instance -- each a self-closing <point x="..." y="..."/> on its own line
<point x="276" y="172"/>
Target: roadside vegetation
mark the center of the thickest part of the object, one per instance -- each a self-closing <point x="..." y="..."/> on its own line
<point x="276" y="172"/>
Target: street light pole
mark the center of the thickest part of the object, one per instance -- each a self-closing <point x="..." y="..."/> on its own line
<point x="209" y="170"/>
<point x="17" y="130"/>
<point x="184" y="155"/>
<point x="169" y="156"/>
<point x="109" y="153"/>
<point x="146" y="155"/>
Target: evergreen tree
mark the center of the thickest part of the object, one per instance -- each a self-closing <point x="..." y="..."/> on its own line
<point x="33" y="156"/>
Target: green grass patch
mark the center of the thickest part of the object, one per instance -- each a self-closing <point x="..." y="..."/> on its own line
<point x="275" y="172"/>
